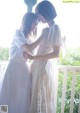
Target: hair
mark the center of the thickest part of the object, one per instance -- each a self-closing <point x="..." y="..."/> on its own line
<point x="46" y="9"/>
<point x="27" y="21"/>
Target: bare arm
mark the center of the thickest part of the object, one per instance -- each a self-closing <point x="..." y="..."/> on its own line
<point x="29" y="47"/>
<point x="51" y="55"/>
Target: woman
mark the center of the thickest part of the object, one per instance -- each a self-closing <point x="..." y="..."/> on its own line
<point x="44" y="68"/>
<point x="16" y="83"/>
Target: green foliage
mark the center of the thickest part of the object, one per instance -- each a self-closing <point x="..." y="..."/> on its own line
<point x="4" y="53"/>
<point x="68" y="93"/>
<point x="72" y="57"/>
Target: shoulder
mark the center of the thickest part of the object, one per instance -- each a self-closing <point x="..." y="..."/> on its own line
<point x="19" y="33"/>
<point x="57" y="29"/>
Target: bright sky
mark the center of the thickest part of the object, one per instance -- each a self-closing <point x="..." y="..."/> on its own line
<point x="11" y="12"/>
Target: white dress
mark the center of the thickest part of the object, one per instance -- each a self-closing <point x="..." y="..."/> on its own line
<point x="16" y="84"/>
<point x="45" y="74"/>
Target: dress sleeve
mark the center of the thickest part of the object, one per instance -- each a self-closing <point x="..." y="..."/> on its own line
<point x="19" y="41"/>
<point x="55" y="36"/>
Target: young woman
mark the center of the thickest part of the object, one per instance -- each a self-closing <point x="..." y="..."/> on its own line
<point x="44" y="68"/>
<point x="16" y="83"/>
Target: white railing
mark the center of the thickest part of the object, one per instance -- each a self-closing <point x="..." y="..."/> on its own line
<point x="65" y="70"/>
<point x="74" y="70"/>
<point x="3" y="64"/>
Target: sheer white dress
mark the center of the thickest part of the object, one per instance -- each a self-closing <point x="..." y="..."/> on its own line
<point x="45" y="74"/>
<point x="16" y="83"/>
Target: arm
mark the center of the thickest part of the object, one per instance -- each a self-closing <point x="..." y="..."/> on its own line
<point x="51" y="55"/>
<point x="29" y="47"/>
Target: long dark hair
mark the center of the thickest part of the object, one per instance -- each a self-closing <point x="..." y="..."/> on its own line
<point x="27" y="21"/>
<point x="46" y="9"/>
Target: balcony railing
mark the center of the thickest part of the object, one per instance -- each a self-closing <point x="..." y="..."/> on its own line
<point x="65" y="70"/>
<point x="75" y="73"/>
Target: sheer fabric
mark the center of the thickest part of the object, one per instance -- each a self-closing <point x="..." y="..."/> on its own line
<point x="16" y="83"/>
<point x="45" y="74"/>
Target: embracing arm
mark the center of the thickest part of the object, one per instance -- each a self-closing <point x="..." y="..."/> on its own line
<point x="54" y="54"/>
<point x="29" y="47"/>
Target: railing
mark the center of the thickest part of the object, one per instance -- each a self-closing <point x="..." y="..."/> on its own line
<point x="65" y="70"/>
<point x="75" y="71"/>
<point x="3" y="64"/>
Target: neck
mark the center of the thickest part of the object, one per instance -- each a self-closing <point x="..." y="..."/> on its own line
<point x="50" y="23"/>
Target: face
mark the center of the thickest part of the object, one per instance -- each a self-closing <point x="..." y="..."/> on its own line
<point x="34" y="25"/>
<point x="40" y="17"/>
